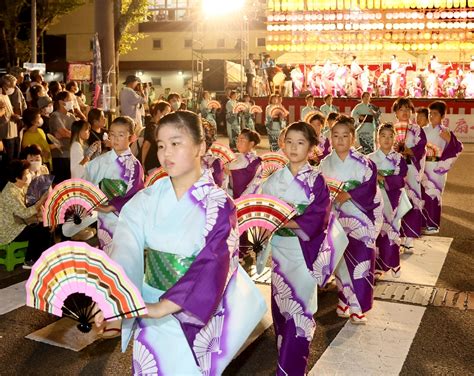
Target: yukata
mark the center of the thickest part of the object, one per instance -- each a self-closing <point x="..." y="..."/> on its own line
<point x="215" y="166"/>
<point x="365" y="127"/>
<point x="232" y="123"/>
<point x="208" y="114"/>
<point x="120" y="177"/>
<point x="301" y="259"/>
<point x="274" y="127"/>
<point x="191" y="260"/>
<point x="356" y="175"/>
<point x="395" y="205"/>
<point x="412" y="221"/>
<point x="246" y="119"/>
<point x="306" y="110"/>
<point x="436" y="172"/>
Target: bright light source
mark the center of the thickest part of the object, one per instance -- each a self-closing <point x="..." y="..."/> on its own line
<point x="219" y="7"/>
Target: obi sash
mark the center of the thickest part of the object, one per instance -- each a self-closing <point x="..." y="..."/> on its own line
<point x="163" y="270"/>
<point x="384" y="173"/>
<point x="286" y="232"/>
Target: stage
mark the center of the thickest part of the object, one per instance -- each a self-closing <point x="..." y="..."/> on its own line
<point x="460" y="116"/>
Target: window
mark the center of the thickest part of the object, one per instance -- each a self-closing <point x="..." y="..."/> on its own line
<point x="220" y="43"/>
<point x="261" y="42"/>
<point x="188" y="43"/>
<point x="157" y="44"/>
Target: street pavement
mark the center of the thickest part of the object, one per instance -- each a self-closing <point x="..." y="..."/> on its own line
<point x="400" y="338"/>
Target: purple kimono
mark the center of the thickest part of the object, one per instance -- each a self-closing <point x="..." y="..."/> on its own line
<point x="244" y="174"/>
<point x="302" y="258"/>
<point x="191" y="260"/>
<point x="436" y="171"/>
<point x="355" y="272"/>
<point x="394" y="169"/>
<point x="413" y="220"/>
<point x="215" y="166"/>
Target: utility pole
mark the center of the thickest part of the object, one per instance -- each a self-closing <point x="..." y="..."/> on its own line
<point x="104" y="27"/>
<point x="33" y="32"/>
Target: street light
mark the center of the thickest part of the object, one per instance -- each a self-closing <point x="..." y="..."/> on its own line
<point x="213" y="8"/>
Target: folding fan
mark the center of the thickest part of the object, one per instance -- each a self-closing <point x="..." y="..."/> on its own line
<point x="156" y="175"/>
<point x="432" y="151"/>
<point x="261" y="215"/>
<point x="401" y="130"/>
<point x="113" y="188"/>
<point x="37" y="188"/>
<point x="240" y="107"/>
<point x="278" y="111"/>
<point x="75" y="280"/>
<point x="213" y="105"/>
<point x="269" y="168"/>
<point x="222" y="152"/>
<point x="272" y="157"/>
<point x="309" y="115"/>
<point x="256" y="109"/>
<point x="71" y="201"/>
<point x="335" y="187"/>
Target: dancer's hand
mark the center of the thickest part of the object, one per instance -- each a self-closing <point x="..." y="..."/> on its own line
<point x="445" y="135"/>
<point x="99" y="322"/>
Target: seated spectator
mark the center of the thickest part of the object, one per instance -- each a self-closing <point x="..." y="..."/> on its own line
<point x="33" y="134"/>
<point x="32" y="154"/>
<point x="18" y="222"/>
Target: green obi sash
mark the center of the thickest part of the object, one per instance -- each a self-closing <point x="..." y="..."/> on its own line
<point x="113" y="188"/>
<point x="384" y="173"/>
<point x="350" y="184"/>
<point x="163" y="270"/>
<point x="300" y="208"/>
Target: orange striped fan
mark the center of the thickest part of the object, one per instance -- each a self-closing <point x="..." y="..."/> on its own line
<point x="256" y="109"/>
<point x="335" y="187"/>
<point x="309" y="115"/>
<point x="432" y="151"/>
<point x="273" y="157"/>
<point x="156" y="175"/>
<point x="76" y="280"/>
<point x="213" y="105"/>
<point x="222" y="152"/>
<point x="71" y="201"/>
<point x="401" y="130"/>
<point x="240" y="107"/>
<point x="278" y="111"/>
<point x="269" y="168"/>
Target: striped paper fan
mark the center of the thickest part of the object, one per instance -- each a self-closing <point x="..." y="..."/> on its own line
<point x="269" y="168"/>
<point x="256" y="109"/>
<point x="309" y="115"/>
<point x="432" y="150"/>
<point x="239" y="107"/>
<point x="222" y="152"/>
<point x="401" y="130"/>
<point x="335" y="187"/>
<point x="213" y="105"/>
<point x="76" y="280"/>
<point x="277" y="111"/>
<point x="156" y="175"/>
<point x="273" y="157"/>
<point x="71" y="201"/>
<point x="261" y="215"/>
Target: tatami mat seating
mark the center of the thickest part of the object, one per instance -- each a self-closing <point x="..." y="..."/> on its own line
<point x="12" y="254"/>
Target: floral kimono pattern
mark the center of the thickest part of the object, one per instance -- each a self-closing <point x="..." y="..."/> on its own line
<point x="412" y="221"/>
<point x="302" y="259"/>
<point x="395" y="205"/>
<point x="191" y="260"/>
<point x="436" y="172"/>
<point x="120" y="177"/>
<point x="355" y="272"/>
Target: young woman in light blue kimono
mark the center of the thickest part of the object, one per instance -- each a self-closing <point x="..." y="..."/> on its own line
<point x="201" y="305"/>
<point x="274" y="124"/>
<point x="366" y="117"/>
<point x="119" y="175"/>
<point x="247" y="119"/>
<point x="232" y="120"/>
<point x="207" y="113"/>
<point x="358" y="208"/>
<point x="304" y="252"/>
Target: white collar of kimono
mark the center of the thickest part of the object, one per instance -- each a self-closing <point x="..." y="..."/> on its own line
<point x="114" y="154"/>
